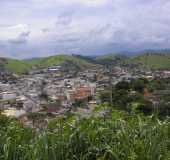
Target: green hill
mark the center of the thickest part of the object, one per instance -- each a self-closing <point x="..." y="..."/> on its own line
<point x="22" y="66"/>
<point x="13" y="65"/>
<point x="150" y="60"/>
<point x="111" y="59"/>
<point x="17" y="66"/>
<point x="59" y="59"/>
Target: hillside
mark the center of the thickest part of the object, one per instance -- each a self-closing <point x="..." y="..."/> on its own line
<point x="13" y="65"/>
<point x="111" y="59"/>
<point x="152" y="61"/>
<point x="65" y="60"/>
<point x="22" y="66"/>
<point x="17" y="66"/>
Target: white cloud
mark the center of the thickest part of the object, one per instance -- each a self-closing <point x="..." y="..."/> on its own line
<point x="13" y="32"/>
<point x="91" y="3"/>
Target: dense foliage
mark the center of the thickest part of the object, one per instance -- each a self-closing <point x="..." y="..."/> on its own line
<point x="102" y="136"/>
<point x="140" y="94"/>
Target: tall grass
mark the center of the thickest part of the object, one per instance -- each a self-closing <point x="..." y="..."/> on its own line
<point x="118" y="136"/>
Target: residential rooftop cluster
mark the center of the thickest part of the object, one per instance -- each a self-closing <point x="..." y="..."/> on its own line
<point x="53" y="91"/>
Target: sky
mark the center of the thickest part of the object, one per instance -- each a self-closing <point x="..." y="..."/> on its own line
<point x="38" y="28"/>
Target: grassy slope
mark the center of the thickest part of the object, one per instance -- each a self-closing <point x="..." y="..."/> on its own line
<point x="19" y="66"/>
<point x="59" y="59"/>
<point x="153" y="61"/>
<point x="55" y="60"/>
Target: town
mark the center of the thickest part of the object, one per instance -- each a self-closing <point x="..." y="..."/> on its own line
<point x="53" y="91"/>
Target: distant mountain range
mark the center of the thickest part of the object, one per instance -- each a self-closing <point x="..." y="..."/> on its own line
<point x="149" y="60"/>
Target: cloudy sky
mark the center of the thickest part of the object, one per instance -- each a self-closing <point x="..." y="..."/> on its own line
<point x="32" y="28"/>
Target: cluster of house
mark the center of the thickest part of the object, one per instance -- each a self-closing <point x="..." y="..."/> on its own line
<point x="54" y="91"/>
<point x="153" y="74"/>
<point x="162" y="74"/>
<point x="43" y="92"/>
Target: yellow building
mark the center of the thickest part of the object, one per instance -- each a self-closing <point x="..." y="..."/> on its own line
<point x="12" y="112"/>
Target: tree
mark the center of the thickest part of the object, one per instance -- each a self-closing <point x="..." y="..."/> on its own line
<point x="122" y="85"/>
<point x="146" y="107"/>
<point x="138" y="85"/>
<point x="105" y="96"/>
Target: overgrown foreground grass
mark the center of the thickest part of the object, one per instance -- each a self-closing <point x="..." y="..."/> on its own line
<point x="116" y="136"/>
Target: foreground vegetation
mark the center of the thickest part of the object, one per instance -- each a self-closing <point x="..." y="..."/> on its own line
<point x="114" y="135"/>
